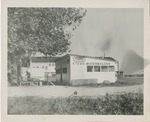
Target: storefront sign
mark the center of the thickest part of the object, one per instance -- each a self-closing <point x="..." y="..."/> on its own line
<point x="80" y="60"/>
<point x="92" y="63"/>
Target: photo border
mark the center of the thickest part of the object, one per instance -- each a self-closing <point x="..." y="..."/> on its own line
<point x="84" y="4"/>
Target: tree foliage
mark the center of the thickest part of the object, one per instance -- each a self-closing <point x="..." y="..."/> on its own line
<point x="40" y="30"/>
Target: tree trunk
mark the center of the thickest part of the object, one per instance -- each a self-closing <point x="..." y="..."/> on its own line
<point x="18" y="70"/>
<point x="10" y="68"/>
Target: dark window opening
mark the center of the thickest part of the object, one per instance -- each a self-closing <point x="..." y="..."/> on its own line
<point x="111" y="69"/>
<point x="68" y="60"/>
<point x="104" y="68"/>
<point x="89" y="68"/>
<point x="64" y="70"/>
<point x="58" y="71"/>
<point x="97" y="68"/>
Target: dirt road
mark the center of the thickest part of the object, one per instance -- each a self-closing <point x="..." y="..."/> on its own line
<point x="65" y="91"/>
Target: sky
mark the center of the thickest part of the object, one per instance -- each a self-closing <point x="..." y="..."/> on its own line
<point x="116" y="31"/>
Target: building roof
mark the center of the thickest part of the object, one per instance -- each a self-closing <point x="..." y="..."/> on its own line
<point x="83" y="56"/>
<point x="43" y="59"/>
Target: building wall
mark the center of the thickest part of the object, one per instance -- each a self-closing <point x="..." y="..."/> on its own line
<point x="63" y="63"/>
<point x="79" y="71"/>
<point x="38" y="70"/>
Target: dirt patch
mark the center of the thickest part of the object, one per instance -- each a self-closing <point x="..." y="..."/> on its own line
<point x="65" y="91"/>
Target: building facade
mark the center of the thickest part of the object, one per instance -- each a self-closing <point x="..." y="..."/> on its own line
<point x="42" y="67"/>
<point x="74" y="69"/>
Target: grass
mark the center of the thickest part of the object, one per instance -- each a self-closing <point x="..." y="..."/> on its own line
<point x="120" y="82"/>
<point x="125" y="81"/>
<point x="128" y="81"/>
<point x="121" y="104"/>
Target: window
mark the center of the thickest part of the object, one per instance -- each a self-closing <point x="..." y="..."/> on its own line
<point x="104" y="68"/>
<point x="42" y="66"/>
<point x="37" y="67"/>
<point x="111" y="68"/>
<point x="68" y="60"/>
<point x="49" y="64"/>
<point x="89" y="68"/>
<point x="97" y="68"/>
<point x="58" y="71"/>
<point x="140" y="75"/>
<point x="53" y="64"/>
<point x="64" y="70"/>
<point x="46" y="67"/>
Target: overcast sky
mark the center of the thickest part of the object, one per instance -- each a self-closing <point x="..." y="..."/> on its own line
<point x="122" y="28"/>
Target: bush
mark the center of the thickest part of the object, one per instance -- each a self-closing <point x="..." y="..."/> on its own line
<point x="121" y="104"/>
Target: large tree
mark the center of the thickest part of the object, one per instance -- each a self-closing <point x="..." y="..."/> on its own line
<point x="40" y="30"/>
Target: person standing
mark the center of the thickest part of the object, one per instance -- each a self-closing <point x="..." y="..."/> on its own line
<point x="28" y="75"/>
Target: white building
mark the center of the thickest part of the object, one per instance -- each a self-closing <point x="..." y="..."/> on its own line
<point x="78" y="70"/>
<point x="42" y="67"/>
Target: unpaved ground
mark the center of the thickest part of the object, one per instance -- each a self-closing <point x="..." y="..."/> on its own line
<point x="65" y="91"/>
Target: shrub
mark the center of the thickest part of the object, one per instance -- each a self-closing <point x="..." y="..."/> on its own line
<point x="121" y="104"/>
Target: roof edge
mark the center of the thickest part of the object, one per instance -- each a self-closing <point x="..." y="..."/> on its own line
<point x="103" y="58"/>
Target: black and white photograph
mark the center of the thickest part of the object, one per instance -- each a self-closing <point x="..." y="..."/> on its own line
<point x="75" y="61"/>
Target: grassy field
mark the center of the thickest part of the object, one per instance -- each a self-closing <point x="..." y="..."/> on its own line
<point x="126" y="81"/>
<point x="124" y="97"/>
<point x="121" y="104"/>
